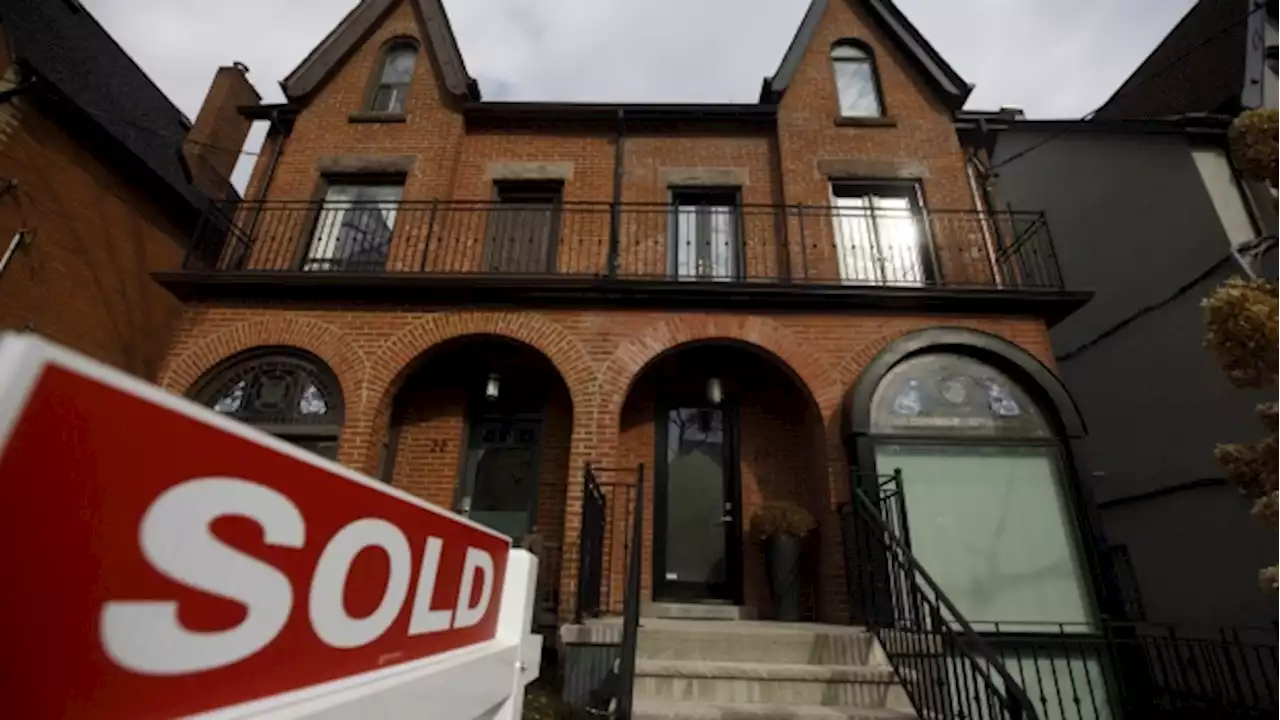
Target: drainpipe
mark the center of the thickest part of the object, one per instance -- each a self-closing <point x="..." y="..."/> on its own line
<point x="21" y="237"/>
<point x="275" y="156"/>
<point x="274" y="126"/>
<point x="615" y="210"/>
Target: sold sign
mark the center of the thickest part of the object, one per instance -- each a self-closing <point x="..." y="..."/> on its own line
<point x="161" y="560"/>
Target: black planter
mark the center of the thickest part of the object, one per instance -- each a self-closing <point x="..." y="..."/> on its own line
<point x="782" y="557"/>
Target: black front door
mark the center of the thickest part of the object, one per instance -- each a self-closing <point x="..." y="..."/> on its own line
<point x="697" y="553"/>
<point x="499" y="486"/>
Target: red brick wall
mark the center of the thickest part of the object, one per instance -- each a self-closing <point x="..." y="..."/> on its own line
<point x="431" y="130"/>
<point x="598" y="353"/>
<point x="83" y="279"/>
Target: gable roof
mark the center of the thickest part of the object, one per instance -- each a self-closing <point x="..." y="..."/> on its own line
<point x="67" y="51"/>
<point x="937" y="71"/>
<point x="338" y="45"/>
<point x="1198" y="67"/>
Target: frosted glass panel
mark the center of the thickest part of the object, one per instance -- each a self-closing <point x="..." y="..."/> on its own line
<point x="991" y="525"/>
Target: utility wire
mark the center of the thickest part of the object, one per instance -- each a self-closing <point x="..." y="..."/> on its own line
<point x="1155" y="73"/>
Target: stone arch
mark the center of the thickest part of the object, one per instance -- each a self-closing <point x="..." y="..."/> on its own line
<point x="326" y="342"/>
<point x="397" y="357"/>
<point x="626" y="363"/>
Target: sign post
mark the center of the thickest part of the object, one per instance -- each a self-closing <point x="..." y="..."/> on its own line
<point x="163" y="560"/>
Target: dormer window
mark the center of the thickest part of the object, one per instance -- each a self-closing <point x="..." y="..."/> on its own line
<point x="393" y="73"/>
<point x="857" y="87"/>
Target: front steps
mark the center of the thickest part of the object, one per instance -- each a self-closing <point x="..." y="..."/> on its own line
<point x="759" y="670"/>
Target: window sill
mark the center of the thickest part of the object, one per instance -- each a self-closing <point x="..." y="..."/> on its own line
<point x="376" y="117"/>
<point x="866" y="122"/>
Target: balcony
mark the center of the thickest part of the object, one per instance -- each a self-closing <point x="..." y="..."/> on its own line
<point x="789" y="253"/>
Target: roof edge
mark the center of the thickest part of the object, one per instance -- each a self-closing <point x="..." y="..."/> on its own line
<point x="337" y="46"/>
<point x="941" y="75"/>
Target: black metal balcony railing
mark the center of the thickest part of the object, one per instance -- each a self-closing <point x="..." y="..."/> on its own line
<point x="821" y="245"/>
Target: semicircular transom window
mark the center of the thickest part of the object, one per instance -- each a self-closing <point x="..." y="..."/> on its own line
<point x="275" y="389"/>
<point x="950" y="394"/>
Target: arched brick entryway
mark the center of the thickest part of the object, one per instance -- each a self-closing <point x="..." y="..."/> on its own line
<point x="327" y="342"/>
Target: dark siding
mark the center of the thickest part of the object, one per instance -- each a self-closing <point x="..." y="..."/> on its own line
<point x="1131" y="219"/>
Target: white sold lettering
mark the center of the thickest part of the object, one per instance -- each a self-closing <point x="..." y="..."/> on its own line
<point x="468" y="614"/>
<point x="329" y="617"/>
<point x="426" y="620"/>
<point x="147" y="637"/>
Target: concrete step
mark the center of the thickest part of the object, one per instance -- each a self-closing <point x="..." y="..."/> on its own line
<point x="696" y="611"/>
<point x="674" y="710"/>
<point x="770" y="683"/>
<point x="754" y="641"/>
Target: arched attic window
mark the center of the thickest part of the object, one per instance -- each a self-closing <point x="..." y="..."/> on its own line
<point x="392" y="74"/>
<point x="857" y="83"/>
<point x="289" y="393"/>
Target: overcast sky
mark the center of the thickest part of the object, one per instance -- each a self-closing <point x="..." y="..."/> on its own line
<point x="1053" y="58"/>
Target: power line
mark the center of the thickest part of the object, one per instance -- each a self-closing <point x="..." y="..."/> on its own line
<point x="1155" y="73"/>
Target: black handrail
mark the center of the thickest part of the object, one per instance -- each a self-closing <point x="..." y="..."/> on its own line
<point x="947" y="669"/>
<point x="590" y="546"/>
<point x="631" y="605"/>
<point x="633" y="242"/>
<point x="611" y="543"/>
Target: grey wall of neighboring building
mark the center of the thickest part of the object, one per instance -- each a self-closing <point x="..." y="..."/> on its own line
<point x="1132" y="220"/>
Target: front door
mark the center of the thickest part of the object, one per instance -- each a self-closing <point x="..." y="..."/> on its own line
<point x="499" y="486"/>
<point x="697" y="553"/>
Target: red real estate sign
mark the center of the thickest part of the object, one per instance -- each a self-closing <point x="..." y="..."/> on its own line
<point x="161" y="560"/>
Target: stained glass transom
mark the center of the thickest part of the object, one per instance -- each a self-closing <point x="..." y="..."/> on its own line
<point x="276" y="389"/>
<point x="945" y="393"/>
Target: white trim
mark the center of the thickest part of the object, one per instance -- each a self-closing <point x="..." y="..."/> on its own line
<point x="24" y="355"/>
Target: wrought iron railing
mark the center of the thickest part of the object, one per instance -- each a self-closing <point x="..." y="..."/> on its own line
<point x="797" y="244"/>
<point x="1100" y="670"/>
<point x="609" y="575"/>
<point x="1139" y="670"/>
<point x="947" y="669"/>
<point x="608" y="513"/>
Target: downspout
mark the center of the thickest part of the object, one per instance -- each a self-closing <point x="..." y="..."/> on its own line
<point x="276" y="126"/>
<point x="780" y="207"/>
<point x="615" y="210"/>
<point x="275" y="156"/>
<point x="987" y="219"/>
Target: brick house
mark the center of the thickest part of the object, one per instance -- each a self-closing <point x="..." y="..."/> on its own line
<point x="102" y="181"/>
<point x="527" y="311"/>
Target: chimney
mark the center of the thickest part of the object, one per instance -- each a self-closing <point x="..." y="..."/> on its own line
<point x="213" y="143"/>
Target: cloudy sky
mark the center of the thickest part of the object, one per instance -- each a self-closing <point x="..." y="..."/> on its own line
<point x="1053" y="58"/>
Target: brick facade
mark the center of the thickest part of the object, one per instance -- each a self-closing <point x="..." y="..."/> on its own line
<point x="790" y="425"/>
<point x="599" y="354"/>
<point x="95" y="235"/>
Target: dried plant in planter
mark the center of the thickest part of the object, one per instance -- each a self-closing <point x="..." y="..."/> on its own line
<point x="781" y="518"/>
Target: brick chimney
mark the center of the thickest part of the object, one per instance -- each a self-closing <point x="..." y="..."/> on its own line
<point x="213" y="143"/>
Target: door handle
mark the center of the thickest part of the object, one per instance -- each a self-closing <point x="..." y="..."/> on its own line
<point x="724" y="519"/>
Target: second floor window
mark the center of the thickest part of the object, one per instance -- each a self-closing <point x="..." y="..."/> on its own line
<point x="353" y="228"/>
<point x="856" y="84"/>
<point x="394" y="72"/>
<point x="880" y="239"/>
<point x="704" y="238"/>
